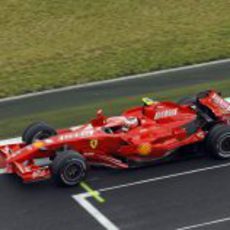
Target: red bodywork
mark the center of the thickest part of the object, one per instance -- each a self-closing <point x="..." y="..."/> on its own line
<point x="161" y="128"/>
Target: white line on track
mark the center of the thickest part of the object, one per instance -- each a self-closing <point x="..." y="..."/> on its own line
<point x="100" y="217"/>
<point x="103" y="220"/>
<point x="205" y="224"/>
<point x="155" y="179"/>
<point x="125" y="78"/>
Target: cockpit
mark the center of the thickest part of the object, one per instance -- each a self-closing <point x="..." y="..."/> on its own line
<point x="120" y="124"/>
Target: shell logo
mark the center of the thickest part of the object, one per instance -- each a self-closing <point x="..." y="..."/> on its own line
<point x="145" y="149"/>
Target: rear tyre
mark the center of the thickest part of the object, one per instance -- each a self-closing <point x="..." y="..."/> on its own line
<point x="218" y="141"/>
<point x="68" y="168"/>
<point x="37" y="131"/>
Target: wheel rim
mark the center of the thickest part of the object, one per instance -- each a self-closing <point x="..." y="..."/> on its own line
<point x="72" y="173"/>
<point x="225" y="146"/>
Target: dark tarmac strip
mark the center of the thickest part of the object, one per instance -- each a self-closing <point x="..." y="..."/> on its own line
<point x="107" y="91"/>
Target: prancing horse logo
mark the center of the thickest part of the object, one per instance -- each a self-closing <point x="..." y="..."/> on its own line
<point x="94" y="144"/>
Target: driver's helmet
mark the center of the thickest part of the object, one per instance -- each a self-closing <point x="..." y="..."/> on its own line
<point x="121" y="123"/>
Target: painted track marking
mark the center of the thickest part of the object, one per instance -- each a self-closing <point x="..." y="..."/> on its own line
<point x="155" y="179"/>
<point x="94" y="212"/>
<point x="95" y="194"/>
<point x="81" y="199"/>
<point x="205" y="224"/>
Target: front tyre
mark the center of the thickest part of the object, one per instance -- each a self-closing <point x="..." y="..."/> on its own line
<point x="218" y="141"/>
<point x="37" y="131"/>
<point x="68" y="168"/>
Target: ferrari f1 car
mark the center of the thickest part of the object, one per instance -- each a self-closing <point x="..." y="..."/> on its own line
<point x="152" y="132"/>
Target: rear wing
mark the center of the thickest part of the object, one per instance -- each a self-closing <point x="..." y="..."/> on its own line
<point x="216" y="103"/>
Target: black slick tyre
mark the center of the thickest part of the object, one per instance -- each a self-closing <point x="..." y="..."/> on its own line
<point x="68" y="168"/>
<point x="37" y="131"/>
<point x="218" y="141"/>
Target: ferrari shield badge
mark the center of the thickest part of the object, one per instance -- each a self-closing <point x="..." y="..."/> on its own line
<point x="94" y="143"/>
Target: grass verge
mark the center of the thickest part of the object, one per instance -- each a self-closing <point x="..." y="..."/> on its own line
<point x="53" y="43"/>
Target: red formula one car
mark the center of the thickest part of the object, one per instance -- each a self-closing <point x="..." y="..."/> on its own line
<point x="147" y="133"/>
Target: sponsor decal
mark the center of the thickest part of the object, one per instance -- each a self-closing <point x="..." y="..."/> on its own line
<point x="165" y="114"/>
<point x="144" y="149"/>
<point x="221" y="102"/>
<point x="87" y="132"/>
<point x="93" y="143"/>
<point x="89" y="154"/>
<point x="75" y="128"/>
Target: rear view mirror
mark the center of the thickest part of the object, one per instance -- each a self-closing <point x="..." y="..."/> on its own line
<point x="100" y="113"/>
<point x="99" y="120"/>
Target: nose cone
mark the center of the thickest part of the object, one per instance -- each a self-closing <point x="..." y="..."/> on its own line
<point x="26" y="153"/>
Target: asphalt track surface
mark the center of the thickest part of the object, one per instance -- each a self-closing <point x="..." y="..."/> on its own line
<point x="170" y="203"/>
<point x="164" y="197"/>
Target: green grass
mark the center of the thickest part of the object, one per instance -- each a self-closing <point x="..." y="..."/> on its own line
<point x="76" y="115"/>
<point x="52" y="43"/>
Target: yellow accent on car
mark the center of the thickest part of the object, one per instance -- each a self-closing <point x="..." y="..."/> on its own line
<point x="148" y="101"/>
<point x="145" y="149"/>
<point x="39" y="144"/>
